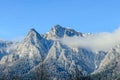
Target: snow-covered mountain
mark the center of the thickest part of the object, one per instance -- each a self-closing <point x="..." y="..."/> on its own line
<point x="45" y="56"/>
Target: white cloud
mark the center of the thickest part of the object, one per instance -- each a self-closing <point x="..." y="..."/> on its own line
<point x="96" y="42"/>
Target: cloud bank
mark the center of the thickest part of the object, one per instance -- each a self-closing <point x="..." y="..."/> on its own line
<point x="95" y="42"/>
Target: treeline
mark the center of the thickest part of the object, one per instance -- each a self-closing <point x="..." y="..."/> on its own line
<point x="40" y="73"/>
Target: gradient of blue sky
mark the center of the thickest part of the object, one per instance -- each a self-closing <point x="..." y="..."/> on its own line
<point x="18" y="16"/>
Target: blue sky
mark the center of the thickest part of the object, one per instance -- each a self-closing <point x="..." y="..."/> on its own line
<point x="18" y="16"/>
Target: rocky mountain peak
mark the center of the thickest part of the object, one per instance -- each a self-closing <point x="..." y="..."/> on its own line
<point x="57" y="27"/>
<point x="32" y="29"/>
<point x="57" y="31"/>
<point x="33" y="36"/>
<point x="60" y="32"/>
<point x="32" y="32"/>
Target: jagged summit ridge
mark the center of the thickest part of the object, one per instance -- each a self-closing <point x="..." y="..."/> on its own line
<point x="56" y="27"/>
<point x="57" y="31"/>
<point x="60" y="32"/>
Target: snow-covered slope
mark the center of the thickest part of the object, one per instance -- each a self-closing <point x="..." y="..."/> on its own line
<point x="112" y="56"/>
<point x="5" y="47"/>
